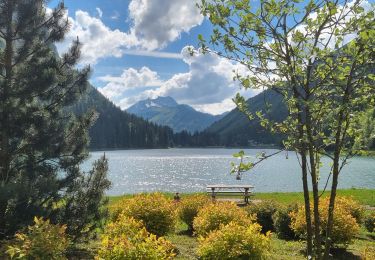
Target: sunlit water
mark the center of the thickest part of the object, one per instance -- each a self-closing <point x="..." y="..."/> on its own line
<point x="190" y="170"/>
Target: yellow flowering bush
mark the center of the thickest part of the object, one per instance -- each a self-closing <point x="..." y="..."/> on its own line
<point x="235" y="241"/>
<point x="212" y="216"/>
<point x="42" y="240"/>
<point x="189" y="207"/>
<point x="156" y="211"/>
<point x="355" y="209"/>
<point x="345" y="226"/>
<point x="127" y="238"/>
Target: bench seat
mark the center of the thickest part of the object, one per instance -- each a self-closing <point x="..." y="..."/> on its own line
<point x="230" y="191"/>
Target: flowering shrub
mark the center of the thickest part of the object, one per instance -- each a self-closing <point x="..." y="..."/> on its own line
<point x="156" y="211"/>
<point x="353" y="207"/>
<point x="189" y="207"/>
<point x="370" y="222"/>
<point x="234" y="241"/>
<point x="126" y="238"/>
<point x="212" y="216"/>
<point x="264" y="212"/>
<point x="345" y="226"/>
<point x="282" y="222"/>
<point x="42" y="240"/>
<point x="368" y="253"/>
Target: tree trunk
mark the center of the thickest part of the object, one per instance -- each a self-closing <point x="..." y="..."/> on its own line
<point x="317" y="239"/>
<point x="335" y="176"/>
<point x="306" y="196"/>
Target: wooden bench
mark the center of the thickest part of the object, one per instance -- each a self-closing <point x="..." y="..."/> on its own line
<point x="230" y="191"/>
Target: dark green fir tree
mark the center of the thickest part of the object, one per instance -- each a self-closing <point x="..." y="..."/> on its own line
<point x="41" y="145"/>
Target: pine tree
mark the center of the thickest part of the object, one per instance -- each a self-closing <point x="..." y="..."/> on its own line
<point x="41" y="145"/>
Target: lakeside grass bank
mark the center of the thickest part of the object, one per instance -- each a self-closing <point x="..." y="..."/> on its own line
<point x="363" y="196"/>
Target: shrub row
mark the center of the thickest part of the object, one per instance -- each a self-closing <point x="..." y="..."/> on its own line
<point x="224" y="230"/>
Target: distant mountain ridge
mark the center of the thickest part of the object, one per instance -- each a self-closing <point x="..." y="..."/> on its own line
<point x="166" y="111"/>
<point x="235" y="129"/>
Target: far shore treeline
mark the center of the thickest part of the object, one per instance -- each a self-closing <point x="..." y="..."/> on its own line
<point x="117" y="129"/>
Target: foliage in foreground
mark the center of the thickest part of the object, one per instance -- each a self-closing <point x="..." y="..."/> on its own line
<point x="282" y="222"/>
<point x="42" y="240"/>
<point x="299" y="50"/>
<point x="189" y="207"/>
<point x="85" y="206"/>
<point x="155" y="210"/>
<point x="369" y="222"/>
<point x="345" y="226"/>
<point x="127" y="238"/>
<point x="264" y="212"/>
<point x="42" y="143"/>
<point x="235" y="241"/>
<point x="212" y="216"/>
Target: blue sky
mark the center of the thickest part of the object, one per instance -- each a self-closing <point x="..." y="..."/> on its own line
<point x="137" y="50"/>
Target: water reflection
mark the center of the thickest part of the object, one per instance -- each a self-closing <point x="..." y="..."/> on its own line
<point x="190" y="170"/>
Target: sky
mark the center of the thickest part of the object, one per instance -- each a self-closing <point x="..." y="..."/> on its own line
<point x="138" y="49"/>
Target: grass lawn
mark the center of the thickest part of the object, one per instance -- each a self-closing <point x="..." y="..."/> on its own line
<point x="363" y="196"/>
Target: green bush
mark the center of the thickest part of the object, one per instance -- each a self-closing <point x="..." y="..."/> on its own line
<point x="370" y="222"/>
<point x="282" y="222"/>
<point x="212" y="216"/>
<point x="234" y="241"/>
<point x="42" y="240"/>
<point x="345" y="226"/>
<point x="189" y="207"/>
<point x="156" y="211"/>
<point x="263" y="212"/>
<point x="126" y="238"/>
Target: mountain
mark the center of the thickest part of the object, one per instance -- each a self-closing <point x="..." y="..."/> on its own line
<point x="235" y="129"/>
<point x="166" y="111"/>
<point x="116" y="129"/>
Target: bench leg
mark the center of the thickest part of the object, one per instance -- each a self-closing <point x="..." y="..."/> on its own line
<point x="246" y="196"/>
<point x="213" y="195"/>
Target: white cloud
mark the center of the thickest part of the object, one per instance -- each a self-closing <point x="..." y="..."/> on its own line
<point x="208" y="81"/>
<point x="99" y="41"/>
<point x="208" y="86"/>
<point x="100" y="12"/>
<point x="156" y="23"/>
<point x="216" y="108"/>
<point x="130" y="78"/>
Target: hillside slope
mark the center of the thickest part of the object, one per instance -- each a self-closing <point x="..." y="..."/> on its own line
<point x="115" y="128"/>
<point x="235" y="129"/>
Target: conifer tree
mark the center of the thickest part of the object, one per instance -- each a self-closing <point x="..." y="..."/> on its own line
<point x="41" y="145"/>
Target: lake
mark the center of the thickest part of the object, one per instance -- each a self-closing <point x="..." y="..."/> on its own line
<point x="190" y="170"/>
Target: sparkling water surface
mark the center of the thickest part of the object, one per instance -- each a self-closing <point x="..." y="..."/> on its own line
<point x="191" y="170"/>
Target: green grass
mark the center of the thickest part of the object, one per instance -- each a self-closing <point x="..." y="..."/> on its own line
<point x="363" y="196"/>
